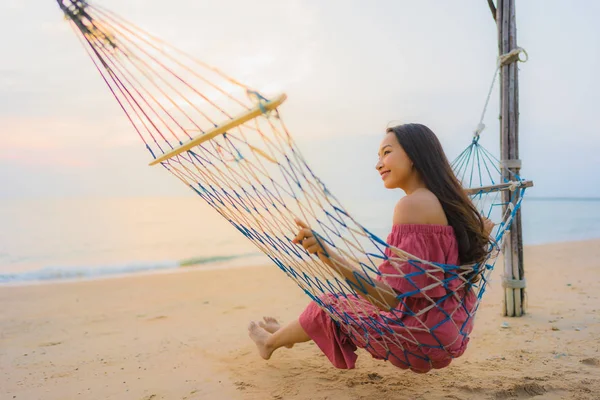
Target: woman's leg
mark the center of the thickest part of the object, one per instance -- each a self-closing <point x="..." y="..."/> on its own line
<point x="267" y="342"/>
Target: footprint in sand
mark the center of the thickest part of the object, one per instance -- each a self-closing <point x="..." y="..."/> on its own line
<point x="242" y="385"/>
<point x="234" y="308"/>
<point x="521" y="390"/>
<point x="156" y="318"/>
<point x="48" y="344"/>
<point x="594" y="362"/>
<point x="375" y="376"/>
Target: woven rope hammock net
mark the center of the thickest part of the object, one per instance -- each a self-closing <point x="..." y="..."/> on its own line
<point x="229" y="144"/>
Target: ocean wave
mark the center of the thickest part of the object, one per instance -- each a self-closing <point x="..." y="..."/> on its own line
<point x="62" y="273"/>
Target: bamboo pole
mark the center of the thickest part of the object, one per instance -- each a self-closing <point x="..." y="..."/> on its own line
<point x="514" y="304"/>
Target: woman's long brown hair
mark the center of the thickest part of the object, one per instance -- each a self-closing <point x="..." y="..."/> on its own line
<point x="425" y="151"/>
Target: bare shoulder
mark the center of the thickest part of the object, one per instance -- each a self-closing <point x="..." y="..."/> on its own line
<point x="420" y="207"/>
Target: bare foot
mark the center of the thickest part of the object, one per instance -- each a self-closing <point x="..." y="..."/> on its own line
<point x="271" y="325"/>
<point x="260" y="338"/>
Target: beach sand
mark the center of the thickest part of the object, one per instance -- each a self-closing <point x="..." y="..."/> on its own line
<point x="183" y="336"/>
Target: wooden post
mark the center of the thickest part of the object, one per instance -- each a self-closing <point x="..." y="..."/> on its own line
<point x="514" y="283"/>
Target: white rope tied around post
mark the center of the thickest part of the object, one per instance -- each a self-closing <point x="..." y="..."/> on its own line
<point x="505" y="59"/>
<point x="514" y="283"/>
<point x="512" y="56"/>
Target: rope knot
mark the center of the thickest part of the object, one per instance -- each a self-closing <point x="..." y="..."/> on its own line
<point x="478" y="130"/>
<point x="258" y="99"/>
<point x="512" y="56"/>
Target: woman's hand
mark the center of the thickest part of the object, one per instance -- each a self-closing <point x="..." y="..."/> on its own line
<point x="378" y="293"/>
<point x="488" y="226"/>
<point x="309" y="241"/>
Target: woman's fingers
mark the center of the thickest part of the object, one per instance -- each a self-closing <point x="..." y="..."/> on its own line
<point x="304" y="231"/>
<point x="309" y="243"/>
<point x="315" y="249"/>
<point x="302" y="234"/>
<point x="307" y="238"/>
<point x="299" y="236"/>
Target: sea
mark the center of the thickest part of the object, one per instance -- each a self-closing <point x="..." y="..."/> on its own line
<point x="49" y="240"/>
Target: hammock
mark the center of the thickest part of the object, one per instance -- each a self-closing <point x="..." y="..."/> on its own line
<point x="229" y="144"/>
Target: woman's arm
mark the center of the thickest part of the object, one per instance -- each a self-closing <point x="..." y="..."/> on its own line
<point x="421" y="207"/>
<point x="379" y="295"/>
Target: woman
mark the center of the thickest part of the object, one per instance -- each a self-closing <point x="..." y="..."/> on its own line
<point x="435" y="222"/>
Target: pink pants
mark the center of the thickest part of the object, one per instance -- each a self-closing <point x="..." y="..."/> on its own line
<point x="408" y="348"/>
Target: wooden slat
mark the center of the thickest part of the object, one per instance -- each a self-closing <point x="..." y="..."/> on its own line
<point x="499" y="187"/>
<point x="223" y="128"/>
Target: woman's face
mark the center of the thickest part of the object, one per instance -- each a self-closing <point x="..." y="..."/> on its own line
<point x="394" y="166"/>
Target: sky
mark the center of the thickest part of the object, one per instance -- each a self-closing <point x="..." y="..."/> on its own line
<point x="350" y="68"/>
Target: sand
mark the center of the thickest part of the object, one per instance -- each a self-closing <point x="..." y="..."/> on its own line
<point x="183" y="336"/>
